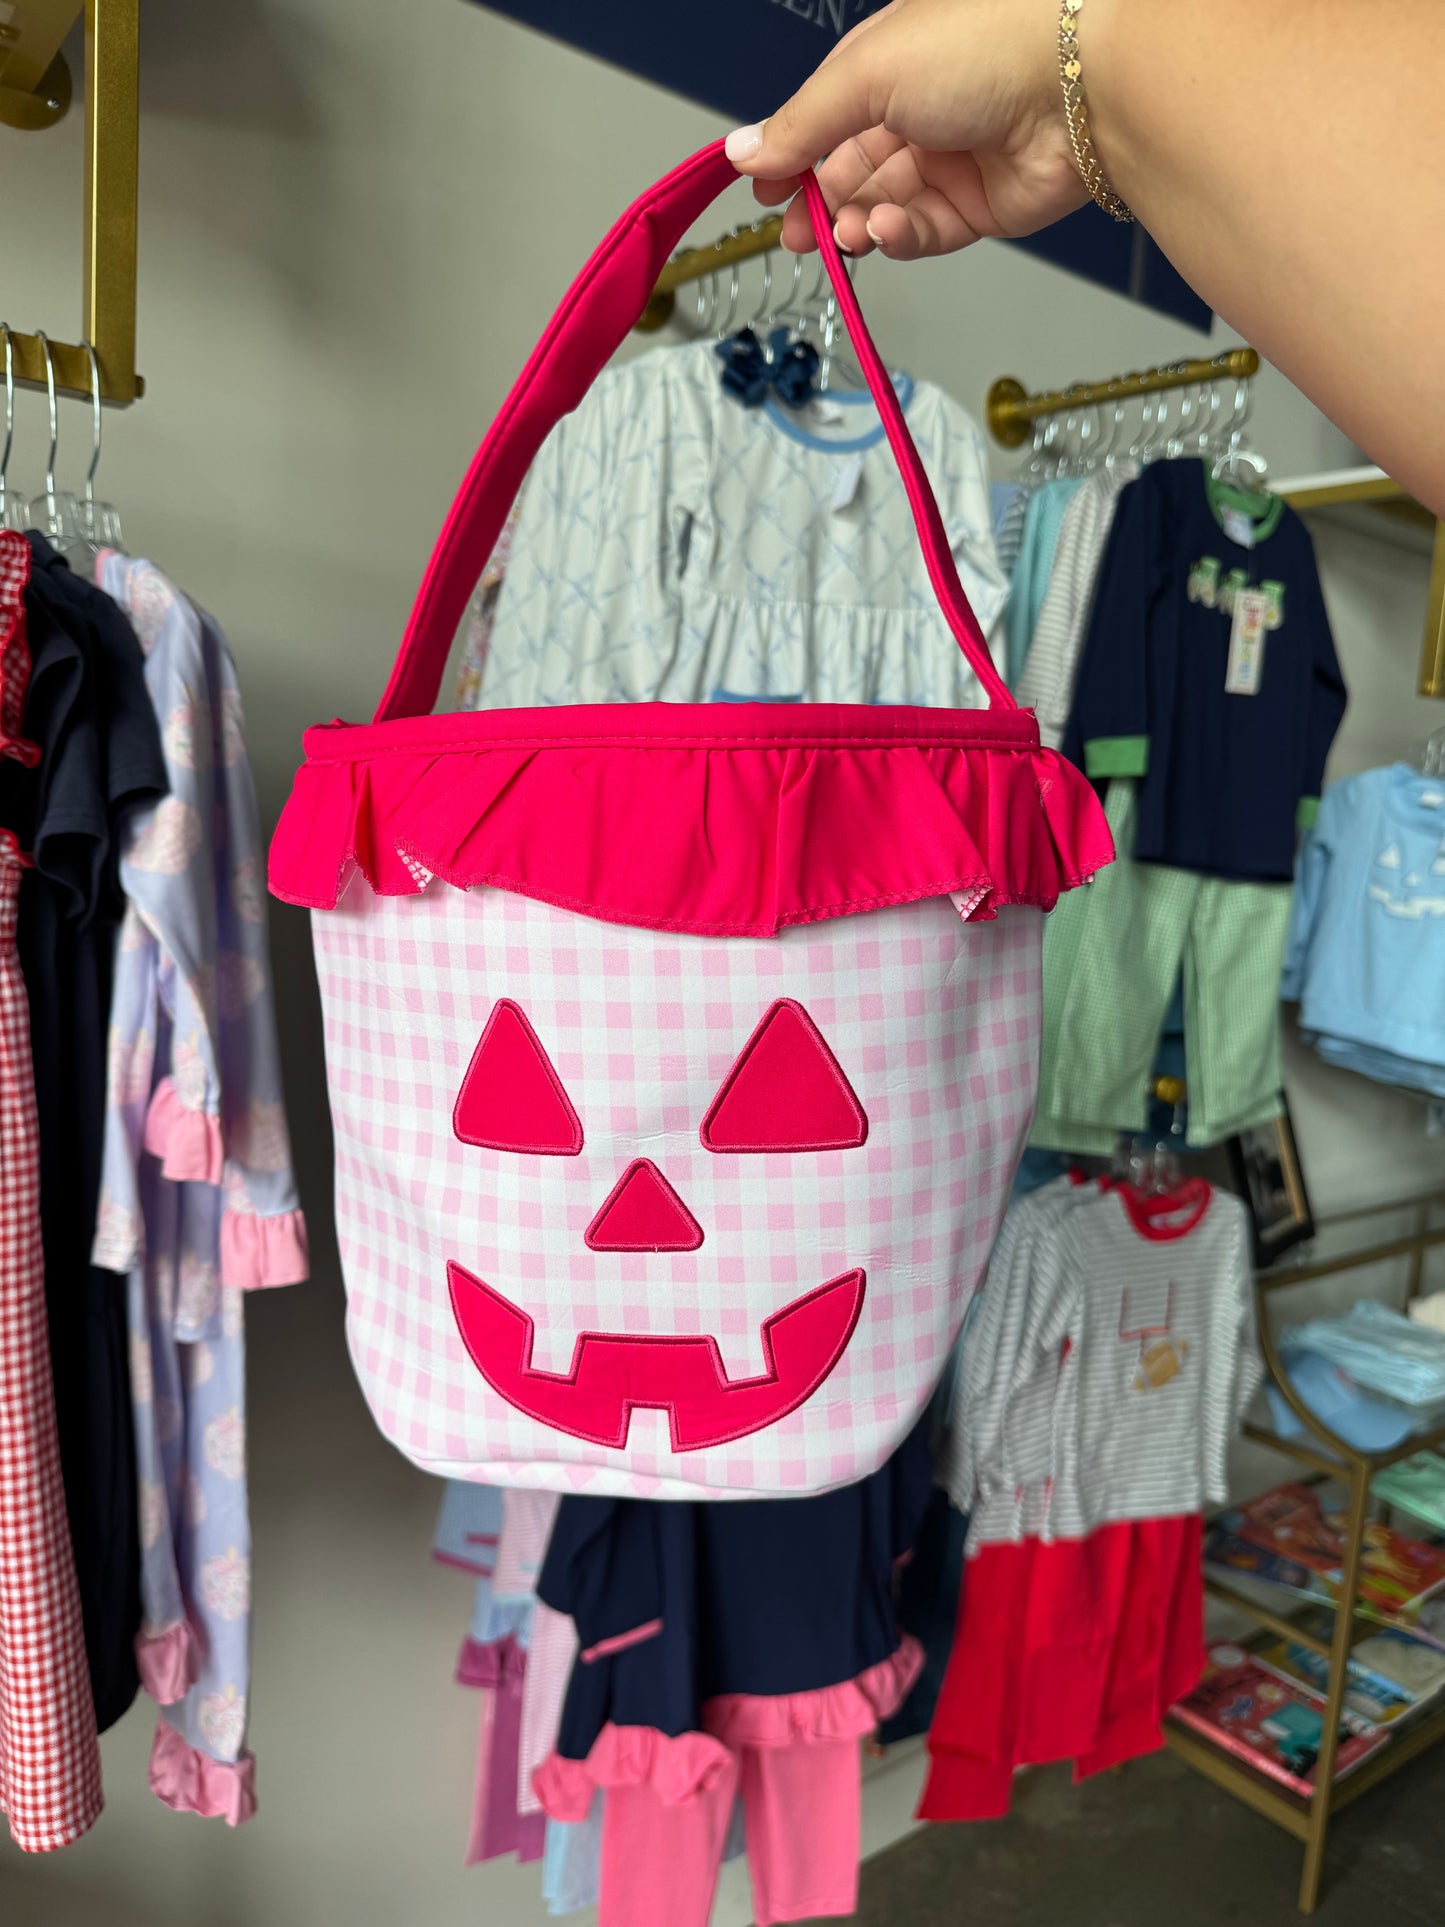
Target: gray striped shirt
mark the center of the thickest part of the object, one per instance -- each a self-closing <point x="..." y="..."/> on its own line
<point x="1105" y="1370"/>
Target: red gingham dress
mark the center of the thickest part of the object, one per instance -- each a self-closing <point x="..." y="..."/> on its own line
<point x="49" y="1755"/>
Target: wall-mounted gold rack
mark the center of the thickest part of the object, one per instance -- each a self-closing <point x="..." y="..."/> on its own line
<point x="1012" y="411"/>
<point x="34" y="73"/>
<point x="112" y="127"/>
<point x="694" y="264"/>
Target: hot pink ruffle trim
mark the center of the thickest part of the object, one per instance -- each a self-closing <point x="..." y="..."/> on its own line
<point x="843" y="1712"/>
<point x="676" y="1769"/>
<point x="168" y="1662"/>
<point x="189" y="1781"/>
<point x="257" y="1252"/>
<point x="666" y="816"/>
<point x="188" y="1143"/>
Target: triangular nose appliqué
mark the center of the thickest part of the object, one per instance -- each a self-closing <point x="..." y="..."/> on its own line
<point x="786" y="1092"/>
<point x="511" y="1097"/>
<point x="642" y="1212"/>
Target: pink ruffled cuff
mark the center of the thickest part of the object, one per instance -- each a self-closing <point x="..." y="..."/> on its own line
<point x="168" y="1662"/>
<point x="189" y="1781"/>
<point x="188" y="1143"/>
<point x="842" y="1712"/>
<point x="497" y="1662"/>
<point x="676" y="1769"/>
<point x="257" y="1252"/>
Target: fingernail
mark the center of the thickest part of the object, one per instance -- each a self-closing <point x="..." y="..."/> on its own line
<point x="744" y="142"/>
<point x="838" y="241"/>
<point x="873" y="235"/>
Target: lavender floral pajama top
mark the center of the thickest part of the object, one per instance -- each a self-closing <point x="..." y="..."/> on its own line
<point x="198" y="1202"/>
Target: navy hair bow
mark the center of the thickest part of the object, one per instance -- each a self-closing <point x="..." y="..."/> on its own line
<point x="787" y="367"/>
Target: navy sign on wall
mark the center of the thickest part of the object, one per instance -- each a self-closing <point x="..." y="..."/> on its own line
<point x="742" y="57"/>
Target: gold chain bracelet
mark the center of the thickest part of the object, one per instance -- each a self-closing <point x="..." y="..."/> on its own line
<point x="1076" y="113"/>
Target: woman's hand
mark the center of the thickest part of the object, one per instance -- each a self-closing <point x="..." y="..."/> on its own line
<point x="943" y="121"/>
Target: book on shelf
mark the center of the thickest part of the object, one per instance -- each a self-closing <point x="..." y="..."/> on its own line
<point x="1271" y="1722"/>
<point x="1425" y="1619"/>
<point x="1252" y="1570"/>
<point x="1297" y="1530"/>
<point x="1392" y="1675"/>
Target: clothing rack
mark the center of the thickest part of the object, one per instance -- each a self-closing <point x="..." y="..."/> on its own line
<point x="35" y="92"/>
<point x="1012" y="410"/>
<point x="742" y="243"/>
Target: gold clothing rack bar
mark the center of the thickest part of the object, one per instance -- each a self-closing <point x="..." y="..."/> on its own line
<point x="112" y="140"/>
<point x="1012" y="410"/>
<point x="695" y="264"/>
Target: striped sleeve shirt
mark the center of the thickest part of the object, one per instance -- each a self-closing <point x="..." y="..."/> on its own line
<point x="1046" y="684"/>
<point x="1155" y="1359"/>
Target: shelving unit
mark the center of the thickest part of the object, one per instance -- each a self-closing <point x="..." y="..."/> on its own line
<point x="1349" y="1241"/>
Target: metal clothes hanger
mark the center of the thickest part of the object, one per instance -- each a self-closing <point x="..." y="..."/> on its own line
<point x="735" y="288"/>
<point x="1111" y="456"/>
<point x="1244" y="467"/>
<point x="99" y="521"/>
<point x="1035" y="466"/>
<point x="707" y="291"/>
<point x="811" y="316"/>
<point x="14" y="513"/>
<point x="56" y="513"/>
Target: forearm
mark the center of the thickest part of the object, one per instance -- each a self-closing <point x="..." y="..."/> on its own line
<point x="1290" y="161"/>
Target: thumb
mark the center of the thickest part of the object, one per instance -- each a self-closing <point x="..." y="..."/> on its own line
<point x="838" y="101"/>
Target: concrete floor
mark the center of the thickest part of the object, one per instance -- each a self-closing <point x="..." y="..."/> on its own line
<point x="1158" y="1844"/>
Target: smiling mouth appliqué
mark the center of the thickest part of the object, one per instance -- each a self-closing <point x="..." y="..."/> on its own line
<point x="613" y="1373"/>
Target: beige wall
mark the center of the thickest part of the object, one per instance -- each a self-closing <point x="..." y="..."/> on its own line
<point x="354" y="219"/>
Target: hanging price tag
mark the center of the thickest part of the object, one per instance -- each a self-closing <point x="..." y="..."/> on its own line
<point x="1246" y="643"/>
<point x="846" y="487"/>
<point x="1237" y="526"/>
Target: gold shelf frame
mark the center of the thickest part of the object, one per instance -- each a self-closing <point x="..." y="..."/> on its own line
<point x="1330" y="1457"/>
<point x="112" y="146"/>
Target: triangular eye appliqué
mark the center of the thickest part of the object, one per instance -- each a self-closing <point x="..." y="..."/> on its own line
<point x="511" y="1097"/>
<point x="786" y="1092"/>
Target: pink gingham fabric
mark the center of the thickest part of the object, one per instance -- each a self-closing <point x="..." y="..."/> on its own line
<point x="935" y="1022"/>
<point x="49" y="1755"/>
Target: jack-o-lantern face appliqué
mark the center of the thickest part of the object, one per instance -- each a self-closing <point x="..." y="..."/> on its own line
<point x="785" y="1093"/>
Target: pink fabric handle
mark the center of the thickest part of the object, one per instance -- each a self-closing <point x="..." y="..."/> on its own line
<point x="595" y="316"/>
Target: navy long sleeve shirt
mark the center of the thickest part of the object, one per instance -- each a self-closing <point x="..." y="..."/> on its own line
<point x="1224" y="778"/>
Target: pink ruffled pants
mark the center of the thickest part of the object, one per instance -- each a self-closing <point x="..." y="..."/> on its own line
<point x="795" y="1762"/>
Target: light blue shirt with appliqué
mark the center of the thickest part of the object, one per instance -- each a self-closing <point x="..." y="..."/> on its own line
<point x="1366" y="949"/>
